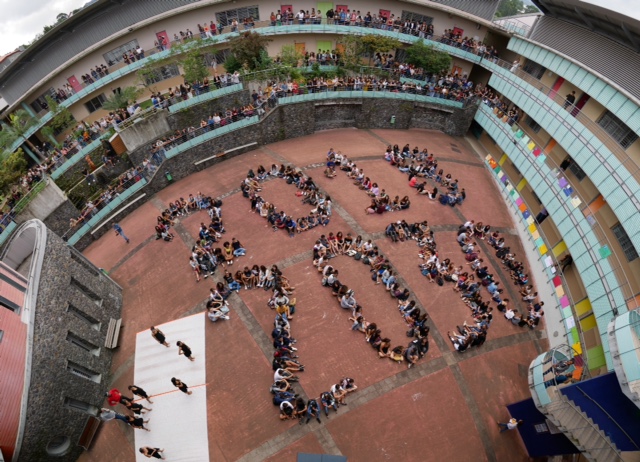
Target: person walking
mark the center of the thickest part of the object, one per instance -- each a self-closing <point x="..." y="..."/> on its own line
<point x="511" y="425"/>
<point x="159" y="336"/>
<point x="150" y="452"/>
<point x="109" y="414"/>
<point x="184" y="350"/>
<point x="139" y="392"/>
<point x="136" y="408"/>
<point x="180" y="385"/>
<point x="137" y="422"/>
<point x="120" y="232"/>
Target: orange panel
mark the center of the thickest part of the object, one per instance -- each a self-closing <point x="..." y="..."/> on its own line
<point x="523" y="207"/>
<point x="552" y="144"/>
<point x="596" y="205"/>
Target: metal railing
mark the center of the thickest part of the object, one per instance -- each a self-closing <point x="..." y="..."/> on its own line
<point x="623" y="281"/>
<point x="554" y="259"/>
<point x="630" y="164"/>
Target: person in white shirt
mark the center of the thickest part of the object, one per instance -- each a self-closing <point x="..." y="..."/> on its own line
<point x="511" y="425"/>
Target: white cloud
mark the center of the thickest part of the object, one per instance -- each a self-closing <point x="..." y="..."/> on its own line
<point x="22" y="20"/>
<point x="627" y="7"/>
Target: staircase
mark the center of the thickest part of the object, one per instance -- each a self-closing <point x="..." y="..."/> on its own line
<point x="582" y="431"/>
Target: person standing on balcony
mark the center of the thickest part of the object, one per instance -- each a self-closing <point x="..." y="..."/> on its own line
<point x="570" y="99"/>
<point x="119" y="232"/>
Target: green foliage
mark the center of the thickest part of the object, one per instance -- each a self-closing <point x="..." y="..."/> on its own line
<point x="290" y="56"/>
<point x="11" y="170"/>
<point x="62" y="117"/>
<point x="231" y="64"/>
<point x="428" y="58"/>
<point x="514" y="7"/>
<point x="121" y="100"/>
<point x="353" y="50"/>
<point x="194" y="67"/>
<point x="249" y="48"/>
<point x="19" y="123"/>
<point x="379" y="44"/>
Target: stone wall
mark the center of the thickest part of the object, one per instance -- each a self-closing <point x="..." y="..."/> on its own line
<point x="52" y="384"/>
<point x="59" y="220"/>
<point x="144" y="129"/>
<point x="193" y="115"/>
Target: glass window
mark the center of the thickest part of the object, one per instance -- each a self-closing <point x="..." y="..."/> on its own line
<point x="534" y="69"/>
<point x="40" y="104"/>
<point x="624" y="241"/>
<point x="163" y="73"/>
<point x="617" y="129"/>
<point x="417" y="17"/>
<point x="225" y="18"/>
<point x="577" y="171"/>
<point x="533" y="124"/>
<point x="95" y="103"/>
<point x="115" y="56"/>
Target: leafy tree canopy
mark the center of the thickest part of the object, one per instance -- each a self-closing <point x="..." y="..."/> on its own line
<point x="122" y="99"/>
<point x="11" y="170"/>
<point x="514" y="7"/>
<point x="428" y="58"/>
<point x="249" y="49"/>
<point x="194" y="66"/>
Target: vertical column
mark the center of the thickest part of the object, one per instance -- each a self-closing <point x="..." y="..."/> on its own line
<point x="26" y="149"/>
<point x="28" y="108"/>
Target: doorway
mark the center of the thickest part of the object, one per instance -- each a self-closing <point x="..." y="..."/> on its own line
<point x="163" y="39"/>
<point x="74" y="83"/>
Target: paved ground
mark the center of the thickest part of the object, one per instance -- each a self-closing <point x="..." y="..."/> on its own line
<point x="443" y="409"/>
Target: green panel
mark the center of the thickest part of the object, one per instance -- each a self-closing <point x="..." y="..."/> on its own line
<point x="324" y="44"/>
<point x="595" y="357"/>
<point x="323" y="7"/>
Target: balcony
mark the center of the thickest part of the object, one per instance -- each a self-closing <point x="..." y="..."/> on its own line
<point x="624" y="333"/>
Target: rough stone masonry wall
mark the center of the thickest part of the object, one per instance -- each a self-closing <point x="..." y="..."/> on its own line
<point x="51" y="382"/>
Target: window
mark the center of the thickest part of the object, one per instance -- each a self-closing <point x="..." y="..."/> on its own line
<point x="81" y="406"/>
<point x="95" y="103"/>
<point x="617" y="129"/>
<point x="577" y="171"/>
<point x="84" y="317"/>
<point x="417" y="17"/>
<point x="1" y="335"/>
<point x="163" y="73"/>
<point x="82" y="343"/>
<point x="534" y="69"/>
<point x="532" y="124"/>
<point x="115" y="56"/>
<point x="225" y="18"/>
<point x="624" y="241"/>
<point x="40" y="104"/>
<point x="85" y="290"/>
<point x="83" y="372"/>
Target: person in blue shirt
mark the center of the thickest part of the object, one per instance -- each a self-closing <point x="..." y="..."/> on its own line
<point x="120" y="232"/>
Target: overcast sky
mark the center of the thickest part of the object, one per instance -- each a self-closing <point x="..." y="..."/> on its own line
<point x="21" y="20"/>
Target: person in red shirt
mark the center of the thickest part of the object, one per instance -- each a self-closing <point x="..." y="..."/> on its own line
<point x="113" y="396"/>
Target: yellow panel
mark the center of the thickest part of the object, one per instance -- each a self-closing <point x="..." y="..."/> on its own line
<point x="521" y="185"/>
<point x="503" y="159"/>
<point x="532" y="228"/>
<point x="577" y="347"/>
<point x="543" y="249"/>
<point x="560" y="248"/>
<point x="583" y="307"/>
<point x="588" y="323"/>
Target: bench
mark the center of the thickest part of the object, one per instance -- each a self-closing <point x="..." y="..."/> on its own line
<point x="224" y="153"/>
<point x="90" y="429"/>
<point x="113" y="333"/>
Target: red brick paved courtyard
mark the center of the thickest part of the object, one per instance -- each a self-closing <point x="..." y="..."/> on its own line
<point x="445" y="408"/>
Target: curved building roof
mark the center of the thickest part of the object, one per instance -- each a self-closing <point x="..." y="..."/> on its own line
<point x="612" y="24"/>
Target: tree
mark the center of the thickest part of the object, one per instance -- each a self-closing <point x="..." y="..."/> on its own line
<point x="514" y="7"/>
<point x="11" y="170"/>
<point x="428" y="58"/>
<point x="373" y="44"/>
<point x="290" y="56"/>
<point x="122" y="99"/>
<point x="250" y="49"/>
<point x="194" y="66"/>
<point x="231" y="64"/>
<point x="62" y="116"/>
<point x="62" y="17"/>
<point x="353" y="49"/>
<point x="19" y="124"/>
